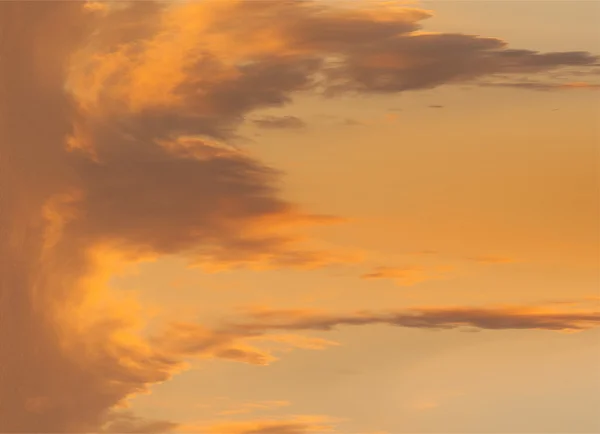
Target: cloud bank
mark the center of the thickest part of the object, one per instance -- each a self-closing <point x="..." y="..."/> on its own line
<point x="117" y="144"/>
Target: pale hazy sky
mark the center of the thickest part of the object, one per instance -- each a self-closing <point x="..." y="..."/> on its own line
<point x="423" y="259"/>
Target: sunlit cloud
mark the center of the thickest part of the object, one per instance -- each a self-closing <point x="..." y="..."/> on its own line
<point x="251" y="407"/>
<point x="544" y="86"/>
<point x="295" y="425"/>
<point x="119" y="138"/>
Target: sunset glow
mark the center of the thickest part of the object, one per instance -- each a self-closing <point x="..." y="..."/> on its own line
<point x="293" y="217"/>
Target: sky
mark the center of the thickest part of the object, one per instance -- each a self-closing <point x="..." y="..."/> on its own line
<point x="294" y="217"/>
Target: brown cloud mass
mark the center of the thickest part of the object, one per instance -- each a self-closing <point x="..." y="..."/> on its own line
<point x="117" y="126"/>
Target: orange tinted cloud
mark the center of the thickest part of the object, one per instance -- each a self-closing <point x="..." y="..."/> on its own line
<point x="131" y="114"/>
<point x="280" y="122"/>
<point x="213" y="74"/>
<point x="493" y="318"/>
<point x="233" y="340"/>
<point x="581" y="85"/>
<point x="296" y="425"/>
<point x="545" y="86"/>
<point x="126" y="422"/>
<point x="181" y="341"/>
<point x="407" y="276"/>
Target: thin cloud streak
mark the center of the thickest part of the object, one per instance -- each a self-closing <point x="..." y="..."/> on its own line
<point x="544" y="86"/>
<point x="280" y="123"/>
<point x="443" y="318"/>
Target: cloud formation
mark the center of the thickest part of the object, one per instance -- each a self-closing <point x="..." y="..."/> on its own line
<point x="544" y="86"/>
<point x="236" y="339"/>
<point x="182" y="341"/>
<point x="296" y="425"/>
<point x="126" y="422"/>
<point x="442" y="318"/>
<point x="406" y="276"/>
<point x="117" y="136"/>
<point x="280" y="122"/>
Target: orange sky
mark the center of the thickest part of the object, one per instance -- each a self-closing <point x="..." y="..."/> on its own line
<point x="244" y="217"/>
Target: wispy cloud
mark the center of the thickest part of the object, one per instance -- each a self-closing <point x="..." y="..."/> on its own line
<point x="280" y="122"/>
<point x="411" y="275"/>
<point x="125" y="422"/>
<point x="293" y="425"/>
<point x="544" y="86"/>
<point x="491" y="318"/>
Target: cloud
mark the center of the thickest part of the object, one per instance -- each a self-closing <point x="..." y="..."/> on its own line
<point x="493" y="318"/>
<point x="295" y="425"/>
<point x="120" y="422"/>
<point x="544" y="86"/>
<point x="280" y="122"/>
<point x="287" y="47"/>
<point x="126" y="422"/>
<point x="93" y="6"/>
<point x="181" y="341"/>
<point x="235" y="339"/>
<point x="407" y="276"/>
<point x="591" y="301"/>
<point x="297" y="341"/>
<point x="72" y="351"/>
<point x="118" y="133"/>
<point x="425" y="61"/>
